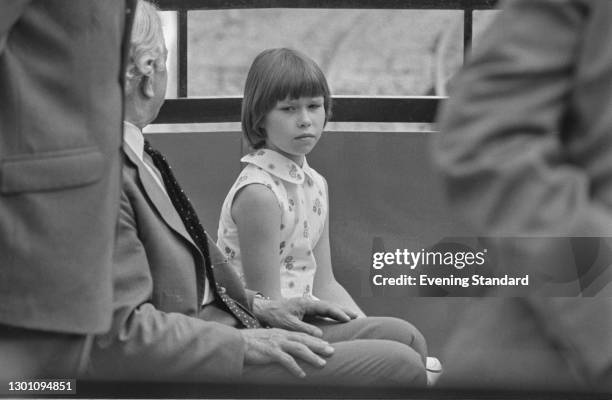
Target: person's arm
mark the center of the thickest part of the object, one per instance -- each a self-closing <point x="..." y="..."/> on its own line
<point x="10" y="10"/>
<point x="500" y="150"/>
<point x="521" y="141"/>
<point x="510" y="135"/>
<point x="325" y="285"/>
<point x="257" y="215"/>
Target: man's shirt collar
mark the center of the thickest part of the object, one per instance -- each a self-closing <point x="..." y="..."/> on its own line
<point x="134" y="138"/>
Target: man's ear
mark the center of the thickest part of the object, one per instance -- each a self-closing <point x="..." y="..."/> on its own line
<point x="146" y="86"/>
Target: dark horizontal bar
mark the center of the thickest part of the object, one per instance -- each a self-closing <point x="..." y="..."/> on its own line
<point x="345" y="109"/>
<point x="196" y="110"/>
<point x="207" y="390"/>
<point x="348" y="4"/>
<point x="384" y="109"/>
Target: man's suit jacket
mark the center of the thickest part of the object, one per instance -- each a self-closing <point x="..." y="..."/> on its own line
<point x="160" y="330"/>
<point x="526" y="151"/>
<point x="60" y="134"/>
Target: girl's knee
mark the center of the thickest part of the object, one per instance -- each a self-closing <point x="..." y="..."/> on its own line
<point x="398" y="330"/>
<point x="405" y="365"/>
<point x="369" y="363"/>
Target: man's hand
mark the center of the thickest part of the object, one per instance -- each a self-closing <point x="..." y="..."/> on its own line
<point x="266" y="346"/>
<point x="288" y="313"/>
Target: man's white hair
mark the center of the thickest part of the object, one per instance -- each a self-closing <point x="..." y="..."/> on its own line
<point x="147" y="51"/>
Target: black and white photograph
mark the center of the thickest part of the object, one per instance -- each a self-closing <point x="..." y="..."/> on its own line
<point x="369" y="199"/>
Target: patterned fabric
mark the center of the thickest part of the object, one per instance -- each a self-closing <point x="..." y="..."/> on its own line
<point x="192" y="223"/>
<point x="302" y="198"/>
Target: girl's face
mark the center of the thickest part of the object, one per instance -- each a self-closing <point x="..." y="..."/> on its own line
<point x="293" y="127"/>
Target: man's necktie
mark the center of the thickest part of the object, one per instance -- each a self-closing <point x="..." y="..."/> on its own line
<point x="192" y="223"/>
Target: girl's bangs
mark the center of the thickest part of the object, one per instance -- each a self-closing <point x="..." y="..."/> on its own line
<point x="300" y="81"/>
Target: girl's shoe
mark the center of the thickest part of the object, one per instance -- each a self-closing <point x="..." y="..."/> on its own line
<point x="433" y="368"/>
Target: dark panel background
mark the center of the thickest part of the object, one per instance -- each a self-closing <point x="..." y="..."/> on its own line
<point x="206" y="165"/>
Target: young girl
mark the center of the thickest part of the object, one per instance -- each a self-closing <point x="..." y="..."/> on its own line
<point x="274" y="224"/>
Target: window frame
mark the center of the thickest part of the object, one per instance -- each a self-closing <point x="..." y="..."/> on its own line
<point x="403" y="109"/>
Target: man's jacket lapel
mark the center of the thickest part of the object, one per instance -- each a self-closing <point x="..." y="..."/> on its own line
<point x="159" y="199"/>
<point x="223" y="272"/>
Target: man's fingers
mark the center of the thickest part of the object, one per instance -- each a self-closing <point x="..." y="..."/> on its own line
<point x="316" y="345"/>
<point x="350" y="313"/>
<point x="288" y="362"/>
<point x="297" y="325"/>
<point x="301" y="351"/>
<point x="325" y="309"/>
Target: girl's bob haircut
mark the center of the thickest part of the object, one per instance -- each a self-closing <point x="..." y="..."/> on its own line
<point x="277" y="74"/>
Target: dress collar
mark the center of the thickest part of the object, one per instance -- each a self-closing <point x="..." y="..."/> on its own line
<point x="134" y="138"/>
<point x="279" y="165"/>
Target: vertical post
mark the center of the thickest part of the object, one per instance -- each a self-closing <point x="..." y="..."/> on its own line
<point x="468" y="17"/>
<point x="182" y="53"/>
